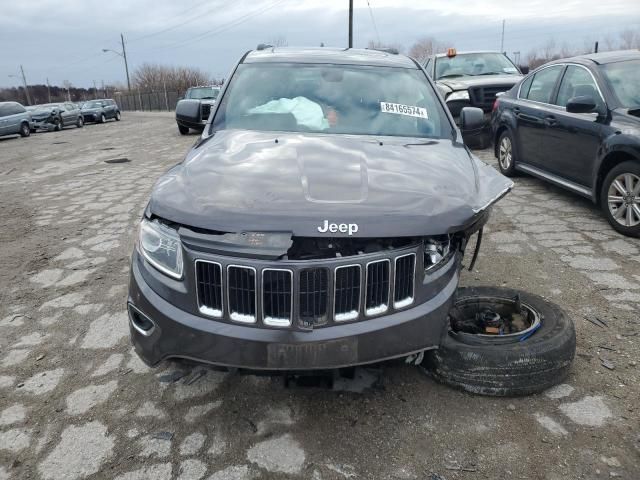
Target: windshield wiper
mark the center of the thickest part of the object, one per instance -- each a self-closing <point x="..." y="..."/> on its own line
<point x="491" y="73"/>
<point x="451" y="75"/>
<point x="207" y="98"/>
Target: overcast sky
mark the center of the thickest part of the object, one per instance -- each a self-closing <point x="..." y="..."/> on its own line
<point x="63" y="40"/>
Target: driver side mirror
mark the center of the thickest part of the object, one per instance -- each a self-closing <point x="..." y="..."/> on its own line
<point x="581" y="104"/>
<point x="471" y="118"/>
<point x="524" y="69"/>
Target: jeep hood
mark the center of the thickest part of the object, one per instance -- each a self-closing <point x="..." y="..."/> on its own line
<point x="241" y="181"/>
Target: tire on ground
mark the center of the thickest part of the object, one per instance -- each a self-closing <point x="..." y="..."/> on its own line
<point x="507" y="369"/>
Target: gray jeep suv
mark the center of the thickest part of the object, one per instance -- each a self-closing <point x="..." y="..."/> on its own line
<point x="319" y="222"/>
<point x="14" y="119"/>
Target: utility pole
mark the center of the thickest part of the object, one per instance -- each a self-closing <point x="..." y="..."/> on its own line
<point x="26" y="89"/>
<point x="350" y="23"/>
<point x="48" y="90"/>
<point x="502" y="39"/>
<point x="95" y="90"/>
<point x="126" y="65"/>
<point x="595" y="50"/>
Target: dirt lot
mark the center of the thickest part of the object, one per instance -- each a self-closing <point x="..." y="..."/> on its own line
<point x="75" y="402"/>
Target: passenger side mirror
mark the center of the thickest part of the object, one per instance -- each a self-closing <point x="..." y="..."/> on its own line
<point x="581" y="104"/>
<point x="471" y="118"/>
<point x="524" y="69"/>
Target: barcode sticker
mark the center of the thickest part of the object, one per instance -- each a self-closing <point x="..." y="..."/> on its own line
<point x="400" y="109"/>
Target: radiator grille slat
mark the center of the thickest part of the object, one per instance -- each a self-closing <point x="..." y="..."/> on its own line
<point x="241" y="289"/>
<point x="377" y="299"/>
<point x="347" y="293"/>
<point x="314" y="289"/>
<point x="277" y="295"/>
<point x="404" y="280"/>
<point x="209" y="288"/>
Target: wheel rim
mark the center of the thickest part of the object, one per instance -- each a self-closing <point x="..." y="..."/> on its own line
<point x="505" y="153"/>
<point x="26" y="130"/>
<point x="624" y="199"/>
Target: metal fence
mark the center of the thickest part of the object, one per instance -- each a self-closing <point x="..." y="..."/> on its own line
<point x="150" y="101"/>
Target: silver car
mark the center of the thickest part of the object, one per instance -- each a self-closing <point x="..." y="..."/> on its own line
<point x="56" y="116"/>
<point x="14" y="119"/>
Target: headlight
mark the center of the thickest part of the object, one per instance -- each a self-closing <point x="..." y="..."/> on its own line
<point x="461" y="95"/>
<point x="160" y="246"/>
<point x="436" y="251"/>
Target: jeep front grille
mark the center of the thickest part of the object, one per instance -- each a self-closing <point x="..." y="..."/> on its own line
<point x="277" y="297"/>
<point x="347" y="293"/>
<point x="209" y="288"/>
<point x="206" y="110"/>
<point x="404" y="280"/>
<point x="241" y="290"/>
<point x="314" y="291"/>
<point x="292" y="295"/>
<point x="377" y="299"/>
<point x="483" y="97"/>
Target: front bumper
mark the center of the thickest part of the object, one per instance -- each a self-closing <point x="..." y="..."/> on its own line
<point x="90" y="116"/>
<point x="181" y="334"/>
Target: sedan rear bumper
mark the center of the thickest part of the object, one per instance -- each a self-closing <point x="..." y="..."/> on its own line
<point x="176" y="333"/>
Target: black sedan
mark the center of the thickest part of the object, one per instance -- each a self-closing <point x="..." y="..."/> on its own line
<point x="576" y="123"/>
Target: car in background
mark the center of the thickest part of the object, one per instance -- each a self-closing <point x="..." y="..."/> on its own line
<point x="576" y="123"/>
<point x="196" y="99"/>
<point x="56" y="116"/>
<point x="472" y="79"/>
<point x="14" y="119"/>
<point x="100" y="110"/>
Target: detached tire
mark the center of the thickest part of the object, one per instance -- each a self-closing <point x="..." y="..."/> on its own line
<point x="487" y="365"/>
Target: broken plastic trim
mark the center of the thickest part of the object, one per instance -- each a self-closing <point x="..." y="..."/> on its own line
<point x="494" y="199"/>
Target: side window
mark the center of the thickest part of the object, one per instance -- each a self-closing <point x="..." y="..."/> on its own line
<point x="15" y="109"/>
<point x="543" y="84"/>
<point x="577" y="82"/>
<point x="4" y="109"/>
<point x="524" y="88"/>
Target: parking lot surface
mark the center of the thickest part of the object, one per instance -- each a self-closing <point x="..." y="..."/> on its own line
<point x="75" y="401"/>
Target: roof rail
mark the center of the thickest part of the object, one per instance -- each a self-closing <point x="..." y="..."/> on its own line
<point x="263" y="46"/>
<point x="392" y="51"/>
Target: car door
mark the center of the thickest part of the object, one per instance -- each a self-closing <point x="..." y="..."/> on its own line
<point x="70" y="115"/>
<point x="532" y="112"/>
<point x="575" y="137"/>
<point x="4" y="109"/>
<point x="13" y="118"/>
<point x="109" y="109"/>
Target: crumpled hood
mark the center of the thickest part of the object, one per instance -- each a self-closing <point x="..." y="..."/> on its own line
<point x="292" y="182"/>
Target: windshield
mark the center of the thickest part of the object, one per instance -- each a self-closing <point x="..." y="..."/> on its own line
<point x="620" y="76"/>
<point x="488" y="63"/>
<point x="94" y="104"/>
<point x="203" y="92"/>
<point x="360" y="100"/>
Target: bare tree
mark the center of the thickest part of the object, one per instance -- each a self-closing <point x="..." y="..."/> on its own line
<point x="629" y="39"/>
<point x="150" y="77"/>
<point x="374" y="45"/>
<point x="424" y="48"/>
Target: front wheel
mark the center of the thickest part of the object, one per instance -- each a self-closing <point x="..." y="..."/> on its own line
<point x="102" y="118"/>
<point x="118" y="116"/>
<point x="80" y="122"/>
<point x="183" y="130"/>
<point x="58" y="125"/>
<point x="506" y="154"/>
<point x="25" y="130"/>
<point x="620" y="198"/>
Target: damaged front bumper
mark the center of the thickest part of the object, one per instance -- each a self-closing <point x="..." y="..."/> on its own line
<point x="167" y="319"/>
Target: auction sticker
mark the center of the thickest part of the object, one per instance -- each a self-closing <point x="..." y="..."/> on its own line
<point x="400" y="109"/>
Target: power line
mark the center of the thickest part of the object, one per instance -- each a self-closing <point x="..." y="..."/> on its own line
<point x="373" y="20"/>
<point x="221" y="28"/>
<point x="180" y="24"/>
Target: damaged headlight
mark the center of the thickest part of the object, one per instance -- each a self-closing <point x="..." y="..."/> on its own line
<point x="436" y="251"/>
<point x="160" y="246"/>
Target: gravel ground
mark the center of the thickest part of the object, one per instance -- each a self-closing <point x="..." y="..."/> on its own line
<point x="75" y="401"/>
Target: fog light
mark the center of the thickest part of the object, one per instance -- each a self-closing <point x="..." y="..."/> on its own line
<point x="143" y="324"/>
